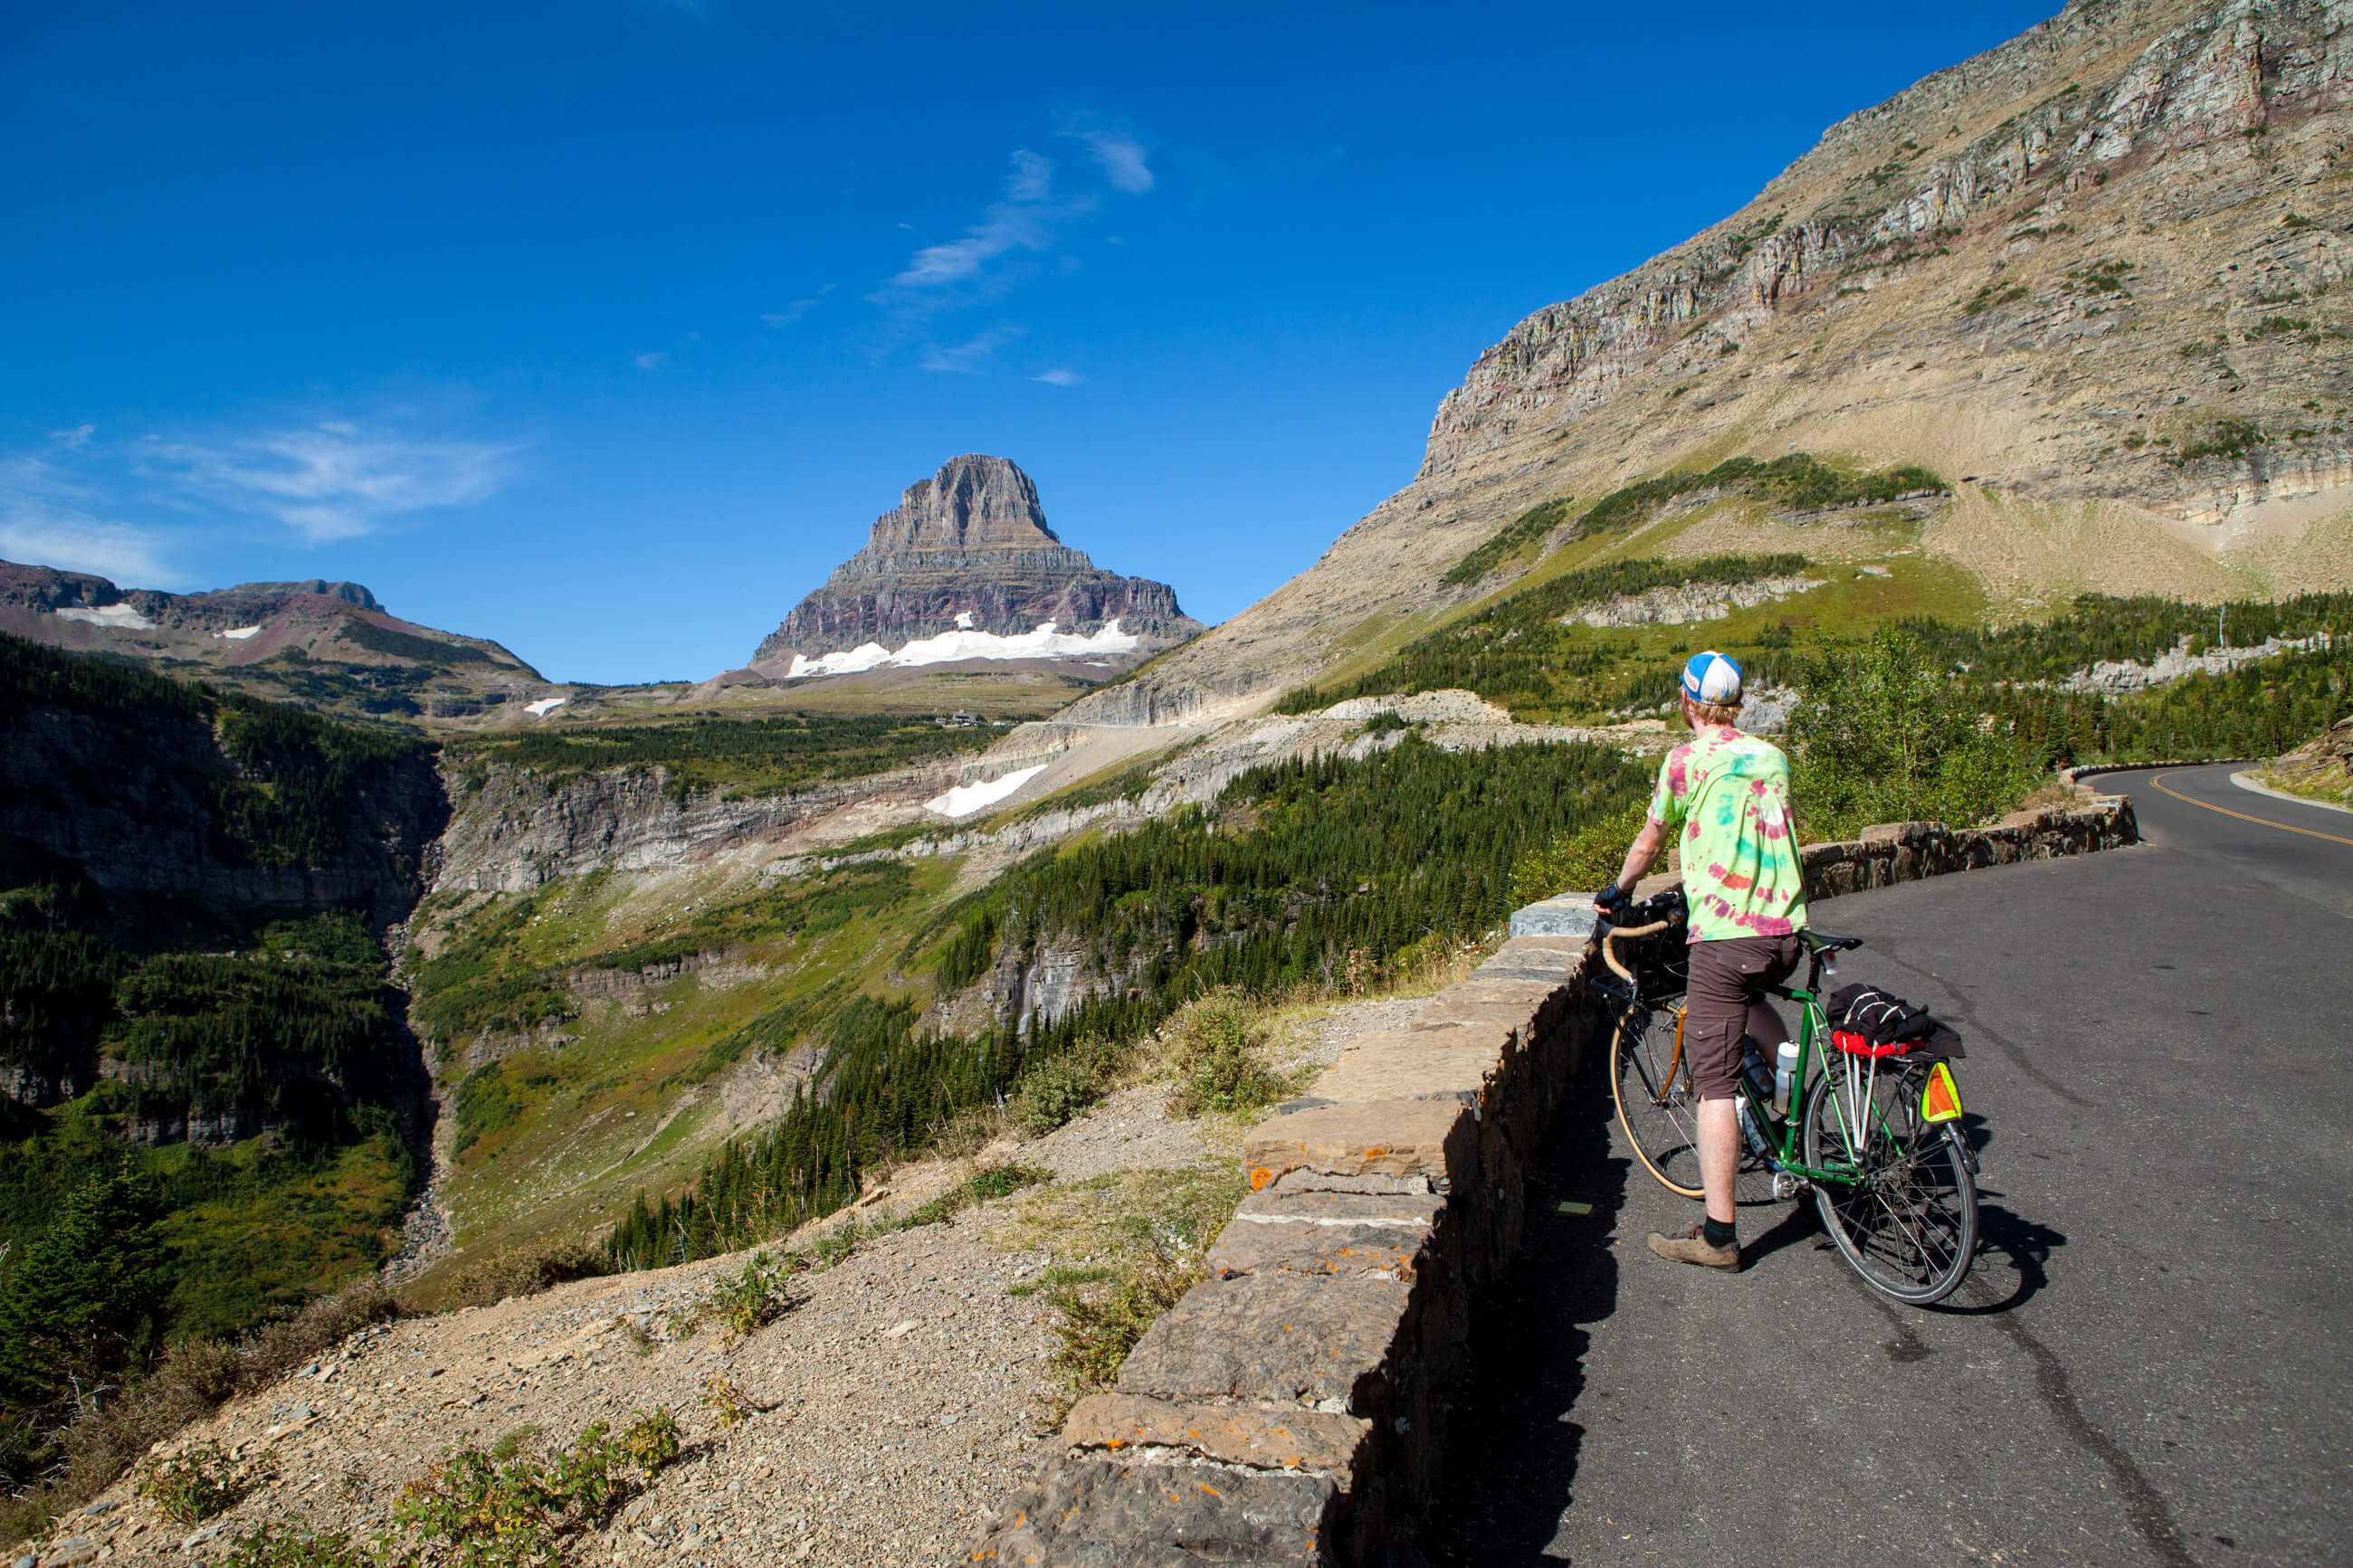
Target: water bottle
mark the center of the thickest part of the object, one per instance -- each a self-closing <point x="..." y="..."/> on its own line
<point x="1752" y="1067"/>
<point x="1749" y="1130"/>
<point x="1784" y="1076"/>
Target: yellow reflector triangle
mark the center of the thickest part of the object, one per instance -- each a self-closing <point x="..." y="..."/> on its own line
<point x="1940" y="1100"/>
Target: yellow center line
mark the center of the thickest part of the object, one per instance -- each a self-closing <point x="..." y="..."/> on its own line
<point x="2156" y="781"/>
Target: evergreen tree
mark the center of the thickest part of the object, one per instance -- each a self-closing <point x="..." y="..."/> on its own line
<point x="85" y="1299"/>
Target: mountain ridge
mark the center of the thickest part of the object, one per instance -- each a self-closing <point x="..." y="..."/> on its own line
<point x="327" y="644"/>
<point x="2039" y="272"/>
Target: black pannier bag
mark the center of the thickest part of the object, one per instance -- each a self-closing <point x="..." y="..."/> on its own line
<point x="1867" y="1022"/>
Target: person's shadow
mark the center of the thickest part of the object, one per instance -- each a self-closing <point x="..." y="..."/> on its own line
<point x="1513" y="1447"/>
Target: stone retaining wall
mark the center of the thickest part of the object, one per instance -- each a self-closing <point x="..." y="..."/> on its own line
<point x="1291" y="1407"/>
<point x="1907" y="851"/>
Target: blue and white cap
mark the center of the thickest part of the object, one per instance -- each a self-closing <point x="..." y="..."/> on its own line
<point x="1712" y="677"/>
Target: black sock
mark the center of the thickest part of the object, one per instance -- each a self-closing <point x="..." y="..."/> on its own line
<point x="1721" y="1233"/>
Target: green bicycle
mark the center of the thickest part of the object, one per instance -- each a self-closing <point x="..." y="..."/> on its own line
<point x="1876" y="1140"/>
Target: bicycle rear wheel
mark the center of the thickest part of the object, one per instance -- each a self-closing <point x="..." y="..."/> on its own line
<point x="1658" y="1106"/>
<point x="1908" y="1225"/>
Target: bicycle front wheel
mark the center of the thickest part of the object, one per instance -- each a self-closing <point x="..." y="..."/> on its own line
<point x="1908" y="1221"/>
<point x="1658" y="1106"/>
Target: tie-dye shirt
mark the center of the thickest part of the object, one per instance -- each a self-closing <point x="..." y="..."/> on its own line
<point x="1726" y="796"/>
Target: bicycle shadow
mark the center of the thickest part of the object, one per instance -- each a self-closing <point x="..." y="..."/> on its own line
<point x="2028" y="1244"/>
<point x="1513" y="1455"/>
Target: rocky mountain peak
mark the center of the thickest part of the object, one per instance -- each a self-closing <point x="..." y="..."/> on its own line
<point x="973" y="503"/>
<point x="965" y="567"/>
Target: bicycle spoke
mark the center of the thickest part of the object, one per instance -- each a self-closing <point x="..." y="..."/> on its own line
<point x="1908" y="1224"/>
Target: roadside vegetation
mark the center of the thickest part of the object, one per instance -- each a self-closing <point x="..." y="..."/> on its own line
<point x="1886" y="735"/>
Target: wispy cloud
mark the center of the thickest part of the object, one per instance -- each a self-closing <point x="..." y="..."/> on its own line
<point x="49" y="516"/>
<point x="1029" y="219"/>
<point x="37" y="534"/>
<point x="1041" y="202"/>
<point x="1121" y="156"/>
<point x="653" y="361"/>
<point x="796" y="310"/>
<point x="965" y="358"/>
<point x="336" y="479"/>
<point x="1059" y="377"/>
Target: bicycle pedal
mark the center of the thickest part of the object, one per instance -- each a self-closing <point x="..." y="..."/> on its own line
<point x="1786" y="1185"/>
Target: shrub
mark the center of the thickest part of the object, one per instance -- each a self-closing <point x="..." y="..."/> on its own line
<point x="1585" y="858"/>
<point x="1885" y="735"/>
<point x="990" y="1182"/>
<point x="193" y="1485"/>
<point x="724" y="1400"/>
<point x="1220" y="1061"/>
<point x="493" y="1280"/>
<point x="1097" y="1321"/>
<point x="494" y="1514"/>
<point x="1514" y="540"/>
<point x="1052" y="1093"/>
<point x="1062" y="1086"/>
<point x="756" y="1295"/>
<point x="267" y="1549"/>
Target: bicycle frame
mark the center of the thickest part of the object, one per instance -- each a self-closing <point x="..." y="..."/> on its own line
<point x="1783" y="1135"/>
<point x="1813" y="1030"/>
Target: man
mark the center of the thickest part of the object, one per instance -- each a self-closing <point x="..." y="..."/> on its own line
<point x="1726" y="794"/>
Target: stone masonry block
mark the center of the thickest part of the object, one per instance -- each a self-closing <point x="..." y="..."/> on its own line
<point x="1244" y="1248"/>
<point x="1310" y="1206"/>
<point x="1535" y="1001"/>
<point x="1275" y="1336"/>
<point x="1432" y="1138"/>
<point x="1569" y="915"/>
<point x="1415" y="1064"/>
<point x="1096" y="1513"/>
<point x="1235" y="1434"/>
<point x="1446" y="1021"/>
<point x="1535" y="958"/>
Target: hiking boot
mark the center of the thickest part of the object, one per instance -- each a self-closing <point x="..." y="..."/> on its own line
<point x="1693" y="1247"/>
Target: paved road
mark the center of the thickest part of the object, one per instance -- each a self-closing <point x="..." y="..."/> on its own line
<point x="2150" y="1363"/>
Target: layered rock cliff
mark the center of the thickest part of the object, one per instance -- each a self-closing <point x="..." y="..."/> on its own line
<point x="2094" y="277"/>
<point x="966" y="565"/>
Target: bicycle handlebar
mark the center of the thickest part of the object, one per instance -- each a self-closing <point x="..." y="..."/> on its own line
<point x="1611" y="933"/>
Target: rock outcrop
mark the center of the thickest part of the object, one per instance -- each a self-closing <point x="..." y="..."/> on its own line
<point x="967" y="567"/>
<point x="2094" y="276"/>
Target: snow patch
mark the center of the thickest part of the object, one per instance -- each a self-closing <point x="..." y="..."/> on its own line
<point x="963" y="619"/>
<point x="965" y="799"/>
<point x="239" y="634"/>
<point x="544" y="706"/>
<point x="1046" y="642"/>
<point x="122" y="618"/>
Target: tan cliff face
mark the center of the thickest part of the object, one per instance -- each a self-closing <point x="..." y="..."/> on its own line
<point x="2097" y="276"/>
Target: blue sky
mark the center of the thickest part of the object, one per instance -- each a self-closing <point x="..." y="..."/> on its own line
<point x="606" y="328"/>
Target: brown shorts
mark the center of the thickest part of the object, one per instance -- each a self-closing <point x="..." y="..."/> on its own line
<point x="1725" y="1000"/>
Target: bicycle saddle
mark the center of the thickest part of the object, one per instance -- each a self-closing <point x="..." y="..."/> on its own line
<point x="1822" y="942"/>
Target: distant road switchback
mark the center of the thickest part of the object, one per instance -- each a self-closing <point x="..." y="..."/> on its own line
<point x="2150" y="1363"/>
